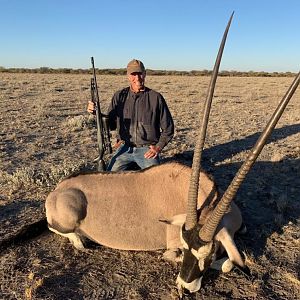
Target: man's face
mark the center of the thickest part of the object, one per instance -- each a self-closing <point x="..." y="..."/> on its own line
<point x="137" y="81"/>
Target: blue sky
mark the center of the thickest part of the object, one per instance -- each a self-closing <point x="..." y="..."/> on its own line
<point x="164" y="34"/>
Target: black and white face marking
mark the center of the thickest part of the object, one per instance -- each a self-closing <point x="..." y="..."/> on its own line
<point x="198" y="256"/>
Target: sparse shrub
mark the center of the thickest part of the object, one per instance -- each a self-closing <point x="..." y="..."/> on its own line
<point x="20" y="178"/>
<point x="28" y="178"/>
<point x="59" y="172"/>
<point x="76" y="123"/>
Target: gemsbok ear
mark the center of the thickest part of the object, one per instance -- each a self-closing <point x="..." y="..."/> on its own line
<point x="177" y="220"/>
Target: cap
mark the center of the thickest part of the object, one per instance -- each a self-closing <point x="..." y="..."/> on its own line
<point x="135" y="66"/>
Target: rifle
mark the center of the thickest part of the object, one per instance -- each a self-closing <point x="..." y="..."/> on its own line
<point x="103" y="135"/>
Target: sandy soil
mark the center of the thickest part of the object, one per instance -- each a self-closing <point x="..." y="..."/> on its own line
<point x="45" y="134"/>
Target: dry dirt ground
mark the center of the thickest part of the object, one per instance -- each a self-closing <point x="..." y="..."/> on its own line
<point x="46" y="134"/>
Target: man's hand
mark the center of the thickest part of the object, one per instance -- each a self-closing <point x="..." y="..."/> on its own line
<point x="91" y="107"/>
<point x="152" y="152"/>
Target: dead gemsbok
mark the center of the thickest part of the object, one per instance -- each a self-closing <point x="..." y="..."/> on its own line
<point x="123" y="210"/>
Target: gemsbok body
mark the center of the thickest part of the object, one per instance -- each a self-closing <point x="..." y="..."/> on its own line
<point x="139" y="210"/>
<point x="129" y="210"/>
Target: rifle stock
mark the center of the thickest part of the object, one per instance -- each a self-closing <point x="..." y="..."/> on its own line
<point x="103" y="134"/>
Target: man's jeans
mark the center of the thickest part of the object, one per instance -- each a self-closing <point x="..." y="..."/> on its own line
<point x="127" y="155"/>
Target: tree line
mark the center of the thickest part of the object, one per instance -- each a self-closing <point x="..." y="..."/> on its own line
<point x="46" y="70"/>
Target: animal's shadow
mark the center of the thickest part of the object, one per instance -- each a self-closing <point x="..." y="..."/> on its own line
<point x="267" y="198"/>
<point x="220" y="152"/>
<point x="66" y="280"/>
<point x="20" y="221"/>
<point x="268" y="195"/>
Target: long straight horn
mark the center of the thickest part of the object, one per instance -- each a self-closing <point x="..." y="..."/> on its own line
<point x="208" y="230"/>
<point x="191" y="218"/>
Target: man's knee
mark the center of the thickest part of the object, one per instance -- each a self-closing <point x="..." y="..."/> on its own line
<point x="116" y="166"/>
<point x="122" y="164"/>
<point x="149" y="162"/>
